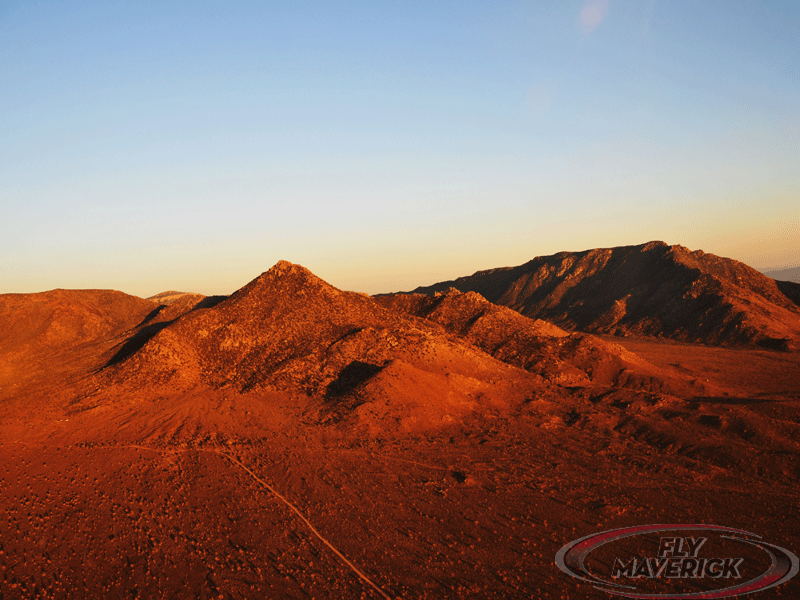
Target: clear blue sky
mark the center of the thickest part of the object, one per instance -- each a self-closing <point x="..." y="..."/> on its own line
<point x="161" y="145"/>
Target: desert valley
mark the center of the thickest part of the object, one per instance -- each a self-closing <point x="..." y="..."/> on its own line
<point x="293" y="440"/>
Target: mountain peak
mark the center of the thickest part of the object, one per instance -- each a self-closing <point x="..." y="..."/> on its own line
<point x="284" y="271"/>
<point x="284" y="282"/>
<point x="655" y="244"/>
<point x="285" y="267"/>
<point x="267" y="332"/>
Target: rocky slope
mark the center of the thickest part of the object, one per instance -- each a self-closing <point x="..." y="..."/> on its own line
<point x="652" y="289"/>
<point x="568" y="359"/>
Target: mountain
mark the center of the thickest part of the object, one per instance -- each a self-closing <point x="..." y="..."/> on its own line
<point x="58" y="321"/>
<point x="49" y="341"/>
<point x="289" y="331"/>
<point x="652" y="289"/>
<point x="171" y="296"/>
<point x="791" y="274"/>
<point x="788" y="282"/>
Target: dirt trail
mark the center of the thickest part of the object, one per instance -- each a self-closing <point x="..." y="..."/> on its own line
<point x="256" y="478"/>
<point x="275" y="493"/>
<point x="278" y="495"/>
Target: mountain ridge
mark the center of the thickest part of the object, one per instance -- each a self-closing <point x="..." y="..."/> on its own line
<point x="652" y="289"/>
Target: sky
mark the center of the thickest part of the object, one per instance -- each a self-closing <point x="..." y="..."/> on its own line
<point x="151" y="146"/>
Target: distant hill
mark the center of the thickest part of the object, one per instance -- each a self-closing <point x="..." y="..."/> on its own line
<point x="170" y="297"/>
<point x="652" y="289"/>
<point x="57" y="320"/>
<point x="792" y="274"/>
<point x="49" y="339"/>
<point x="788" y="281"/>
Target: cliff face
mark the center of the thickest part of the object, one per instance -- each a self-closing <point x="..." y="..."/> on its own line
<point x="652" y="289"/>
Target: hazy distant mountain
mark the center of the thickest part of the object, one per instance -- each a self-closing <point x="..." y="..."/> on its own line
<point x="792" y="274"/>
<point x="787" y="281"/>
<point x="652" y="289"/>
<point x="171" y="296"/>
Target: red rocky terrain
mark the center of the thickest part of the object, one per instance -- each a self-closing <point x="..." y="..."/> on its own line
<point x="653" y="290"/>
<point x="294" y="440"/>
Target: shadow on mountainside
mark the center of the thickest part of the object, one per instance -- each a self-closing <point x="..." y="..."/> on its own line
<point x="353" y="375"/>
<point x="790" y="289"/>
<point x="136" y="342"/>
